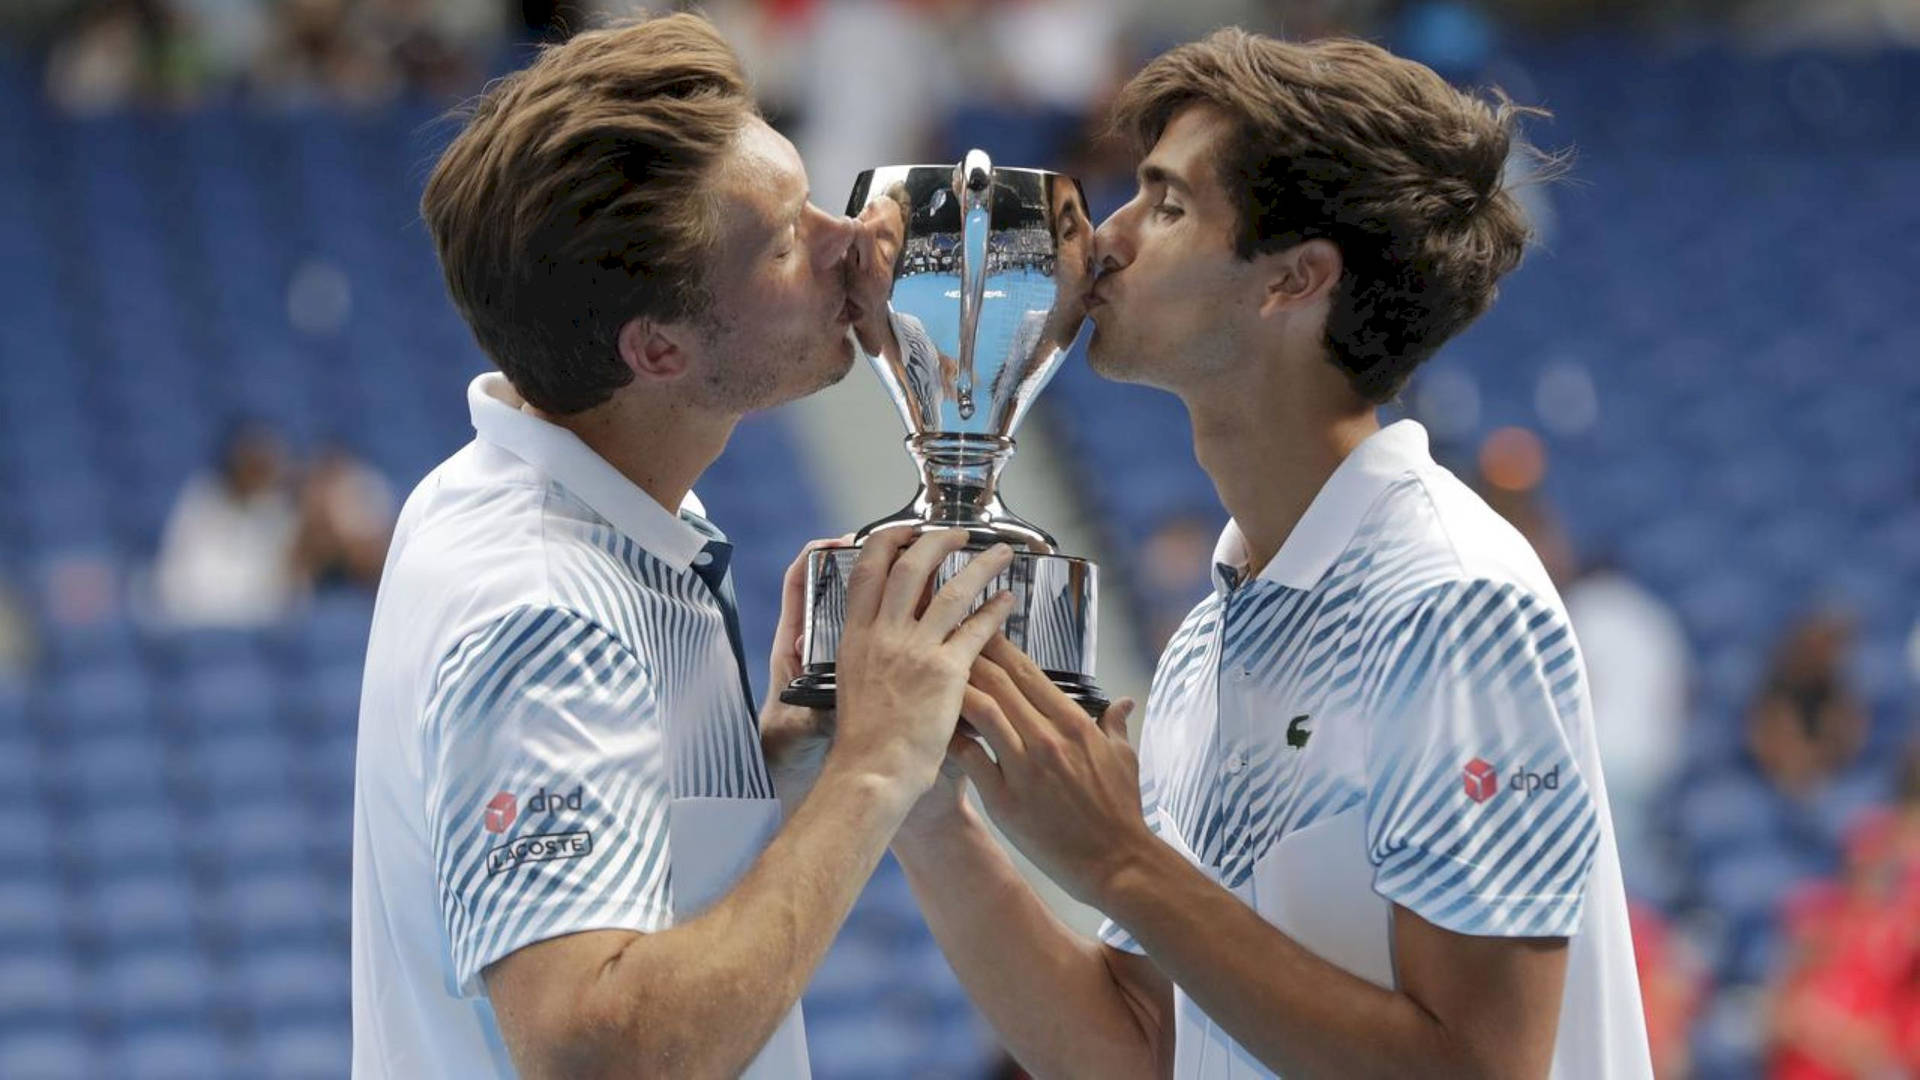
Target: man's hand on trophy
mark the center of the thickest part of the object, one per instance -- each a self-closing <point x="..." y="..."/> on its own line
<point x="1063" y="787"/>
<point x="903" y="658"/>
<point x="793" y="739"/>
<point x="876" y="244"/>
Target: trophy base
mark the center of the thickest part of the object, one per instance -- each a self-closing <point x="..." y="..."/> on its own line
<point x="817" y="690"/>
<point x="1052" y="620"/>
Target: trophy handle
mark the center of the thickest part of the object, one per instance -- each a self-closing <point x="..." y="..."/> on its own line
<point x="973" y="181"/>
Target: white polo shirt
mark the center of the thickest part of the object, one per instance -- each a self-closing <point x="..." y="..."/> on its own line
<point x="555" y="736"/>
<point x="1393" y="712"/>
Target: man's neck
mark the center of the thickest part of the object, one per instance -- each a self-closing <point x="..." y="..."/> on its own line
<point x="662" y="449"/>
<point x="1269" y="449"/>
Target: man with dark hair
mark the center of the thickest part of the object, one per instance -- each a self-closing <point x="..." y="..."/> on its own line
<point x="569" y="859"/>
<point x="1365" y="834"/>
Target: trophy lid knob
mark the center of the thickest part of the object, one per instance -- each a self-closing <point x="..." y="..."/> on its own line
<point x="976" y="171"/>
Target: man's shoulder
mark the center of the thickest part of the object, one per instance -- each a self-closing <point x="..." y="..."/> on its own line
<point x="474" y="525"/>
<point x="1429" y="536"/>
<point x="486" y="537"/>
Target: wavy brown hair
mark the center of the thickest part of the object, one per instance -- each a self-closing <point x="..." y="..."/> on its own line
<point x="1342" y="140"/>
<point x="572" y="201"/>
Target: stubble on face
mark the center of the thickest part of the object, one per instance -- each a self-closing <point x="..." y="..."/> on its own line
<point x="1167" y="320"/>
<point x="761" y="356"/>
<point x="754" y="372"/>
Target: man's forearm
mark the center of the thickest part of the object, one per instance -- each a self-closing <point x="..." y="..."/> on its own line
<point x="701" y="999"/>
<point x="1300" y="1015"/>
<point x="1046" y="990"/>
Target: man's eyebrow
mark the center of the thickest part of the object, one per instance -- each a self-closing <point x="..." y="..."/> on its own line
<point x="1157" y="174"/>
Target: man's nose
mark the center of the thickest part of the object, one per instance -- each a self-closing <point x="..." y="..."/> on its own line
<point x="1112" y="248"/>
<point x="837" y="238"/>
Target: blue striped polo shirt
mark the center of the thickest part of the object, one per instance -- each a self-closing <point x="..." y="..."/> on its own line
<point x="1393" y="714"/>
<point x="556" y="735"/>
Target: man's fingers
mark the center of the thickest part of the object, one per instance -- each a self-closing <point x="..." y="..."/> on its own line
<point x="1033" y="683"/>
<point x="978" y="767"/>
<point x="1114" y="720"/>
<point x="984" y="713"/>
<point x="907" y="580"/>
<point x="1022" y="718"/>
<point x="981" y="625"/>
<point x="869" y="578"/>
<point x="951" y="603"/>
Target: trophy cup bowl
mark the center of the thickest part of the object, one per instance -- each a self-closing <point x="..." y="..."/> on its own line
<point x="989" y="291"/>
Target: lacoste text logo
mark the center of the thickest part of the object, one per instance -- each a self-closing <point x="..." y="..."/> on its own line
<point x="1298" y="732"/>
<point x="542" y="848"/>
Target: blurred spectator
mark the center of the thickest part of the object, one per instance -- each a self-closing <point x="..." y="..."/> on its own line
<point x="226" y="558"/>
<point x="1806" y="725"/>
<point x="1176" y="572"/>
<point x="19" y="638"/>
<point x="1673" y="985"/>
<point x="1847" y="1002"/>
<point x="1512" y="464"/>
<point x="346" y="517"/>
<point x="120" y="52"/>
<point x="363" y="52"/>
<point x="1638" y="669"/>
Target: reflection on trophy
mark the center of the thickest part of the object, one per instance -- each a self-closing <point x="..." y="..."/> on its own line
<point x="989" y="291"/>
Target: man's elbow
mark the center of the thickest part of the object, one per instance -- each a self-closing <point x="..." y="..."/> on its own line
<point x="562" y="1029"/>
<point x="587" y="1046"/>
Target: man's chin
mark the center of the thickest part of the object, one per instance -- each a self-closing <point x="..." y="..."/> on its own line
<point x="1109" y="359"/>
<point x="835" y="362"/>
<point x="845" y="353"/>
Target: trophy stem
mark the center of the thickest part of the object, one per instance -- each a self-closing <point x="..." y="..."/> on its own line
<point x="959" y="478"/>
<point x="960" y="474"/>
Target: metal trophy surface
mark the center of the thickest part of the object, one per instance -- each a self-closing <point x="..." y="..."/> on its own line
<point x="989" y="291"/>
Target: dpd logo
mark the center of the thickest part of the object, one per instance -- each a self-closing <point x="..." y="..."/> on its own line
<point x="543" y="803"/>
<point x="1529" y="782"/>
<point x="1482" y="780"/>
<point x="501" y="810"/>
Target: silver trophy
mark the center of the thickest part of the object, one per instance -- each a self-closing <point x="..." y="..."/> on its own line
<point x="989" y="291"/>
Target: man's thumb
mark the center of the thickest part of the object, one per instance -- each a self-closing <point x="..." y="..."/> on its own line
<point x="1114" y="720"/>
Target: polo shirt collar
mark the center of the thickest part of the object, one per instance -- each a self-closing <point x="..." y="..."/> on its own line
<point x="500" y="418"/>
<point x="1327" y="527"/>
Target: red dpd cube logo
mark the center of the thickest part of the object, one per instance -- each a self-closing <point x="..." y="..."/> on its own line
<point x="1481" y="780"/>
<point x="501" y="810"/>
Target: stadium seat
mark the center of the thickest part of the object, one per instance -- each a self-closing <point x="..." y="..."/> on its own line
<point x="303" y="1051"/>
<point x="48" y="1053"/>
<point x="174" y="1052"/>
<point x="156" y="907"/>
<point x="151" y="986"/>
<point x="39" y="985"/>
<point x="33" y="911"/>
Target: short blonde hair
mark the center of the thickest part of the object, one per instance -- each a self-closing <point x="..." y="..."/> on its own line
<point x="1342" y="140"/>
<point x="573" y="200"/>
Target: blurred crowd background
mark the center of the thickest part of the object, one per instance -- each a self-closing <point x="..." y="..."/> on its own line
<point x="226" y="355"/>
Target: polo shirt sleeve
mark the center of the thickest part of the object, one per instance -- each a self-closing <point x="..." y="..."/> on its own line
<point x="1479" y="818"/>
<point x="547" y="789"/>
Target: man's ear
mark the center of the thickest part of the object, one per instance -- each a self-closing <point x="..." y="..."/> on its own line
<point x="1304" y="274"/>
<point x="653" y="351"/>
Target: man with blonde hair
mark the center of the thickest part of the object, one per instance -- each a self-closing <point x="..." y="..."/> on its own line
<point x="569" y="859"/>
<point x="1366" y="833"/>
